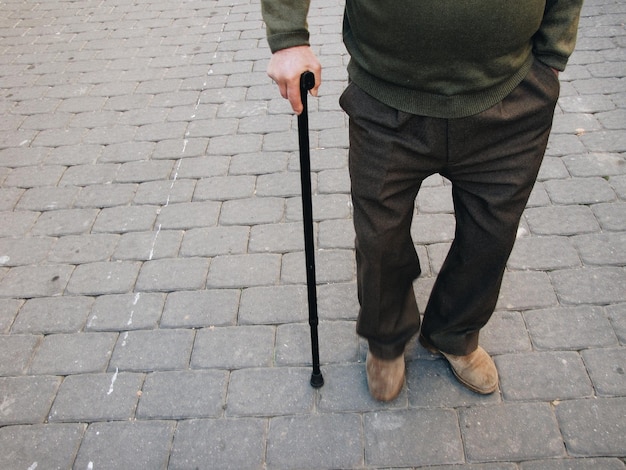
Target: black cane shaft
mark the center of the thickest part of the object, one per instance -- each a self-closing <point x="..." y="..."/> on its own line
<point x="307" y="81"/>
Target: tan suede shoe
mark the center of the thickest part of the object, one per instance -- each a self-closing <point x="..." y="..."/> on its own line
<point x="384" y="377"/>
<point x="476" y="371"/>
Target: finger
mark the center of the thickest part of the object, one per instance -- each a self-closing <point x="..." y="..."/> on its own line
<point x="293" y="95"/>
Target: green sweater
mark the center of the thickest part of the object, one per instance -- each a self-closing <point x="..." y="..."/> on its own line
<point x="440" y="58"/>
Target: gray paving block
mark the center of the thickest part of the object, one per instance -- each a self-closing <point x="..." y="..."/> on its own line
<point x="431" y="384"/>
<point x="590" y="190"/>
<point x="570" y="328"/>
<point x="148" y="245"/>
<point x="595" y="164"/>
<point x="183" y="394"/>
<point x="315" y="441"/>
<point x="574" y="464"/>
<point x="105" y="195"/>
<point x="248" y="270"/>
<point x="9" y="196"/>
<point x="401" y="438"/>
<point x="103" y="278"/>
<point x="273" y="305"/>
<point x="34" y="176"/>
<point x="40" y="446"/>
<point x="258" y="163"/>
<point x="48" y="198"/>
<point x="523" y="290"/>
<point x="152" y="350"/>
<point x="325" y="206"/>
<point x="173" y="274"/>
<point x="543" y="253"/>
<point x="17" y="223"/>
<point x="602" y="285"/>
<point x="337" y="233"/>
<point x="284" y="184"/>
<point x="8" y="311"/>
<point x="188" y="215"/>
<point x="215" y="241"/>
<point x="506" y="332"/>
<point x="76" y="353"/>
<point x="65" y="222"/>
<point x="123" y="312"/>
<point x="270" y="391"/>
<point x="115" y="445"/>
<point x="607" y="248"/>
<point x="606" y="368"/>
<point x="345" y="390"/>
<point x="124" y="219"/>
<point x="128" y="151"/>
<point x="252" y="211"/>
<point x="543" y="376"/>
<point x="97" y="397"/>
<point x="617" y="317"/>
<point x="165" y="192"/>
<point x="88" y="174"/>
<point x="338" y="342"/>
<point x="27" y="400"/>
<point x="16" y="352"/>
<point x="593" y="427"/>
<point x="337" y="301"/>
<point x="79" y="249"/>
<point x="202" y="308"/>
<point x="330" y="266"/>
<point x="276" y="238"/>
<point x="24" y="251"/>
<point x="432" y="228"/>
<point x="561" y="220"/>
<point x="222" y="347"/>
<point x="223" y="188"/>
<point x="495" y="433"/>
<point x="612" y="216"/>
<point x="219" y="443"/>
<point x="35" y="281"/>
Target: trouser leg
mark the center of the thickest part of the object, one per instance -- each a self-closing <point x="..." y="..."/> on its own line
<point x="494" y="160"/>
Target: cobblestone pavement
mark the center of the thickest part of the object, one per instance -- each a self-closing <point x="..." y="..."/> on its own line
<point x="152" y="279"/>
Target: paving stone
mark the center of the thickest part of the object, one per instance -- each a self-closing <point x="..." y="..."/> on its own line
<point x="432" y="228"/>
<point x="53" y="315"/>
<point x="223" y="188"/>
<point x="77" y="353"/>
<point x="103" y="278"/>
<point x="337" y="437"/>
<point x="124" y="219"/>
<point x="151" y="350"/>
<point x="235" y="271"/>
<point x="203" y="308"/>
<point x="273" y="305"/>
<point x="97" y="397"/>
<point x="141" y="171"/>
<point x="506" y="332"/>
<point x="16" y="351"/>
<point x="219" y="347"/>
<point x="399" y="438"/>
<point x="105" y="195"/>
<point x="65" y="222"/>
<point x="27" y="400"/>
<point x="617" y="317"/>
<point x="165" y="192"/>
<point x="270" y="391"/>
<point x="252" y="211"/>
<point x="142" y="444"/>
<point x="337" y="301"/>
<point x="543" y="253"/>
<point x="173" y="274"/>
<point x="572" y="220"/>
<point x="338" y="342"/>
<point x="258" y="163"/>
<point x="570" y="328"/>
<point x="32" y="177"/>
<point x="594" y="426"/>
<point x="590" y="190"/>
<point x="151" y="245"/>
<point x="219" y="443"/>
<point x="88" y="174"/>
<point x="17" y="223"/>
<point x="325" y="206"/>
<point x="35" y="281"/>
<point x="330" y="266"/>
<point x="543" y="376"/>
<point x="183" y="394"/>
<point x="493" y="433"/>
<point x="48" y="198"/>
<point x="276" y="238"/>
<point x="127" y="152"/>
<point x="602" y="248"/>
<point x="215" y="241"/>
<point x="188" y="215"/>
<point x="574" y="464"/>
<point x="8" y="312"/>
<point x="24" y="251"/>
<point x="88" y="248"/>
<point x="612" y="216"/>
<point x="283" y="184"/>
<point x="124" y="312"/>
<point x="49" y="445"/>
<point x="607" y="370"/>
<point x="526" y="290"/>
<point x="603" y="285"/>
<point x="595" y="164"/>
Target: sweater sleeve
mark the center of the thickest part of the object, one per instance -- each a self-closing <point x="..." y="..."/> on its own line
<point x="556" y="38"/>
<point x="286" y="24"/>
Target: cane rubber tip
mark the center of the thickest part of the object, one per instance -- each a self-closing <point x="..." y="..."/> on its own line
<point x="307" y="81"/>
<point x="317" y="380"/>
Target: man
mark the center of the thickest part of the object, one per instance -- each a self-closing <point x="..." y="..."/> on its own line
<point x="463" y="88"/>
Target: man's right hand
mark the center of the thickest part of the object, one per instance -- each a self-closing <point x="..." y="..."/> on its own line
<point x="285" y="68"/>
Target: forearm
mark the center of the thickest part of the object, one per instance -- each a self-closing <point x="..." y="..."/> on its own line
<point x="556" y="38"/>
<point x="286" y="23"/>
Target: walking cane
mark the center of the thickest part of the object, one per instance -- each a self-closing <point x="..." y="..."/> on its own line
<point x="307" y="81"/>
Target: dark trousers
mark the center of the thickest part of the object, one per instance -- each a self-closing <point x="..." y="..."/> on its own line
<point x="491" y="159"/>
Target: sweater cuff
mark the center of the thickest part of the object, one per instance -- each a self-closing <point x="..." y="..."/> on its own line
<point x="287" y="40"/>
